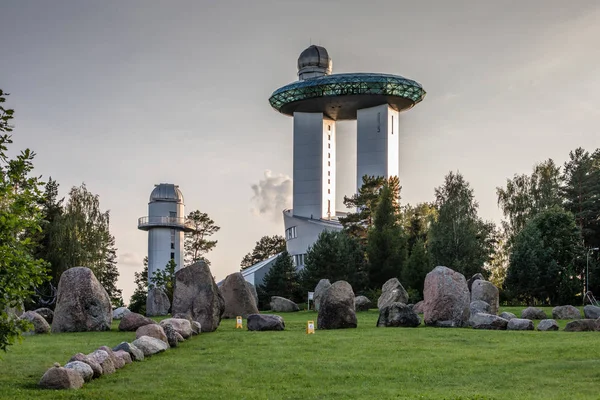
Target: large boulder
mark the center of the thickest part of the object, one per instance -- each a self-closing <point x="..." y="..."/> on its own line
<point x="583" y="325"/>
<point x="152" y="330"/>
<point x="281" y="304"/>
<point x="82" y="369"/>
<point x="157" y="303"/>
<point x="82" y="304"/>
<point x="447" y="298"/>
<point x="337" y="307"/>
<point x="418" y="308"/>
<point x="533" y="313"/>
<point x="566" y="312"/>
<point x="181" y="326"/>
<point x="239" y="300"/>
<point x="119" y="313"/>
<point x="398" y="315"/>
<point x="94" y="365"/>
<point x="135" y="353"/>
<point x="547" y="325"/>
<point x="486" y="291"/>
<point x="47" y="313"/>
<point x="40" y="325"/>
<point x="252" y="289"/>
<point x="196" y="295"/>
<point x="520" y="324"/>
<point x="58" y="377"/>
<point x="265" y="322"/>
<point x="591" y="312"/>
<point x="149" y="345"/>
<point x="487" y="321"/>
<point x="507" y="315"/>
<point x="320" y="289"/>
<point x="132" y="321"/>
<point x="362" y="303"/>
<point x="474" y="278"/>
<point x="479" y="306"/>
<point x="392" y="292"/>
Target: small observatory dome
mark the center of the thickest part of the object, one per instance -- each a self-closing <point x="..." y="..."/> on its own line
<point x="166" y="192"/>
<point x="314" y="62"/>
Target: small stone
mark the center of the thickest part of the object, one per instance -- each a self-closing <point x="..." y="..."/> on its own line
<point x="507" y="315"/>
<point x="196" y="327"/>
<point x="583" y="325"/>
<point x="94" y="365"/>
<point x="135" y="353"/>
<point x="265" y="322"/>
<point x="124" y="356"/>
<point x="533" y="313"/>
<point x="566" y="312"/>
<point x="61" y="378"/>
<point x="547" y="325"/>
<point x="520" y="324"/>
<point x="150" y="345"/>
<point x="153" y="330"/>
<point x="82" y="368"/>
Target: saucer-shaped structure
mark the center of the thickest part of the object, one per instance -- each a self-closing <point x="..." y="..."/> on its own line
<point x="339" y="96"/>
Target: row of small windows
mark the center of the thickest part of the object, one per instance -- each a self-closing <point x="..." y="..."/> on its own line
<point x="299" y="260"/>
<point x="290" y="233"/>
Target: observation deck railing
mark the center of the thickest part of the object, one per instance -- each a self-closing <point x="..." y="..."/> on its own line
<point x="145" y="223"/>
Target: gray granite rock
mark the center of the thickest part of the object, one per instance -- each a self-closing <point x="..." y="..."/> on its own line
<point x="520" y="324"/>
<point x="82" y="369"/>
<point x="46" y="313"/>
<point x="474" y="278"/>
<point x="507" y="315"/>
<point x="120" y="312"/>
<point x="447" y="298"/>
<point x="40" y="325"/>
<point x="94" y="365"/>
<point x="82" y="304"/>
<point x="337" y="307"/>
<point x="182" y="326"/>
<point x="252" y="289"/>
<point x="157" y="303"/>
<point x="486" y="291"/>
<point x="135" y="353"/>
<point x="102" y="358"/>
<point x="149" y="345"/>
<point x="583" y="325"/>
<point x="479" y="306"/>
<point x="533" y="313"/>
<point x="118" y="363"/>
<point x="132" y="321"/>
<point x="487" y="321"/>
<point x="153" y="330"/>
<point x="591" y="312"/>
<point x="566" y="312"/>
<point x="196" y="295"/>
<point x="123" y="356"/>
<point x="196" y="327"/>
<point x="61" y="378"/>
<point x="398" y="315"/>
<point x="321" y="287"/>
<point x="547" y="325"/>
<point x="362" y="303"/>
<point x="265" y="322"/>
<point x="281" y="304"/>
<point x="392" y="291"/>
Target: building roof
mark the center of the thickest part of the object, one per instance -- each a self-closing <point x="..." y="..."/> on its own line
<point x="339" y="96"/>
<point x="166" y="192"/>
<point x="258" y="265"/>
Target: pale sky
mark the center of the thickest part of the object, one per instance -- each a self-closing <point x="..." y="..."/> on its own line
<point x="123" y="95"/>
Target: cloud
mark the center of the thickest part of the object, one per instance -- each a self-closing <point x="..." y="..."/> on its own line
<point x="130" y="260"/>
<point x="272" y="195"/>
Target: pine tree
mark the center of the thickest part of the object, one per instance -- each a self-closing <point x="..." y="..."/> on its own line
<point x="196" y="243"/>
<point x="137" y="302"/>
<point x="417" y="267"/>
<point x="282" y="279"/>
<point x="165" y="279"/>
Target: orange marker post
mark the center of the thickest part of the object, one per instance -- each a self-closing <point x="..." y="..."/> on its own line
<point x="310" y="327"/>
<point x="238" y="322"/>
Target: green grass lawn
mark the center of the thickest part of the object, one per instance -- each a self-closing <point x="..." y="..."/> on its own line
<point x="362" y="363"/>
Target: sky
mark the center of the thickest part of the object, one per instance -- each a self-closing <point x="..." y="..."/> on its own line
<point x="123" y="95"/>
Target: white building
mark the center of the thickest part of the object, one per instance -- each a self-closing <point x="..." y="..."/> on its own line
<point x="165" y="225"/>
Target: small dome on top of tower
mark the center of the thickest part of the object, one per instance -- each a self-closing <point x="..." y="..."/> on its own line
<point x="166" y="192"/>
<point x="314" y="62"/>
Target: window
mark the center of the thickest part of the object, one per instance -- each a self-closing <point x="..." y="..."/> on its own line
<point x="172" y="246"/>
<point x="328" y="137"/>
<point x="329" y="181"/>
<point x="299" y="260"/>
<point x="328" y="173"/>
<point x="290" y="233"/>
<point x="378" y="122"/>
<point x="328" y="155"/>
<point x="392" y="124"/>
<point x="328" y="145"/>
<point x="328" y="127"/>
<point x="328" y="163"/>
<point x="172" y="256"/>
<point x="328" y="192"/>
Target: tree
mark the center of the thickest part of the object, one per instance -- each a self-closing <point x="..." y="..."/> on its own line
<point x="386" y="241"/>
<point x="196" y="243"/>
<point x="165" y="279"/>
<point x="265" y="248"/>
<point x="137" y="302"/>
<point x="526" y="195"/>
<point x="547" y="259"/>
<point x="82" y="238"/>
<point x="20" y="222"/>
<point x="281" y="279"/>
<point x="335" y="256"/>
<point x="417" y="267"/>
<point x="365" y="201"/>
<point x="581" y="192"/>
<point x="458" y="238"/>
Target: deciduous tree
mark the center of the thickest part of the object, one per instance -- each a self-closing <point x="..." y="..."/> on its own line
<point x="265" y="248"/>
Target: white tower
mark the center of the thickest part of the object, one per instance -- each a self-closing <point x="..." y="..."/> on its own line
<point x="165" y="224"/>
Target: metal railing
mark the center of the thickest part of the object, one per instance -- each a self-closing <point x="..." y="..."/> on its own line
<point x="163" y="221"/>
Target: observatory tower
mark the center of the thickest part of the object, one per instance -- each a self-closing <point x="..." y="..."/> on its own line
<point x="165" y="224"/>
<point x="316" y="101"/>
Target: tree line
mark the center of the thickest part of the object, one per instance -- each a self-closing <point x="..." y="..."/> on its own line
<point x="537" y="255"/>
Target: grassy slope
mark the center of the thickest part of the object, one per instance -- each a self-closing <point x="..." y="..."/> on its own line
<point x="367" y="362"/>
